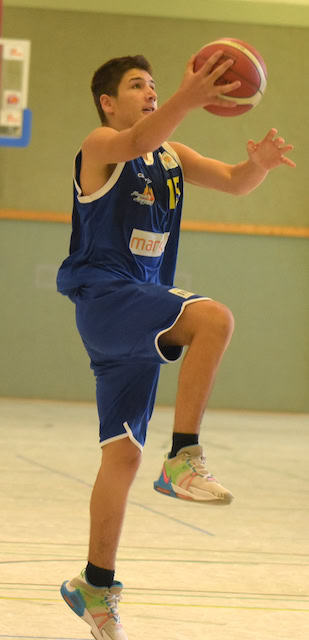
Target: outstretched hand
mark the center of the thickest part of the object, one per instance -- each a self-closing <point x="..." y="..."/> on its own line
<point x="269" y="153"/>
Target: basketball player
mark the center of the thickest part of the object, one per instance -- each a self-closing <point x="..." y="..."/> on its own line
<point x="128" y="192"/>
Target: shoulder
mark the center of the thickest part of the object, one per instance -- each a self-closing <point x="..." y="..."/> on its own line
<point x="188" y="158"/>
<point x="173" y="151"/>
<point x="97" y="137"/>
<point x="183" y="151"/>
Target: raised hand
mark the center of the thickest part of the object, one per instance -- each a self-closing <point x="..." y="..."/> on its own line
<point x="199" y="88"/>
<point x="269" y="153"/>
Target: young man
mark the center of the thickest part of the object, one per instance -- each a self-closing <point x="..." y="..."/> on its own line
<point x="128" y="190"/>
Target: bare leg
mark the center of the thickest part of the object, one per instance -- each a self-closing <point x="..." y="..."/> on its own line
<point x="207" y="327"/>
<point x="120" y="462"/>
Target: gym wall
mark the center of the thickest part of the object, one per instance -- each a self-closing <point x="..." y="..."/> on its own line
<point x="263" y="279"/>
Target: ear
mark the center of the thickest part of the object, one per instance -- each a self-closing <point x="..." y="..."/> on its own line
<point x="107" y="103"/>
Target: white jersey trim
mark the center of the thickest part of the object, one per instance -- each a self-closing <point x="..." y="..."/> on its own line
<point x="113" y="439"/>
<point x="103" y="190"/>
<point x="128" y="434"/>
<point x="173" y="153"/>
<point x="116" y="175"/>
<point x="157" y="338"/>
<point x="131" y="436"/>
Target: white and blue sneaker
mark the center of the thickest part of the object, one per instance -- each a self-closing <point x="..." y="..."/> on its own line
<point x="96" y="605"/>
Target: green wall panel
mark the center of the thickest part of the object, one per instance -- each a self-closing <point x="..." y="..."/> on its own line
<point x="282" y="12"/>
<point x="63" y="112"/>
<point x="264" y="281"/>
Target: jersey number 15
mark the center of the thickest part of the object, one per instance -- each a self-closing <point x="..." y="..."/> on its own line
<point x="175" y="194"/>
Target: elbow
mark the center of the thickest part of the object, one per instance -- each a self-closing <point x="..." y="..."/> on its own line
<point x="240" y="190"/>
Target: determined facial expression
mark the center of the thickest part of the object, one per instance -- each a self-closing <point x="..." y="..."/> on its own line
<point x="136" y="99"/>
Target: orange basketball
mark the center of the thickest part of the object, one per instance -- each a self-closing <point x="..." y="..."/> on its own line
<point x="249" y="67"/>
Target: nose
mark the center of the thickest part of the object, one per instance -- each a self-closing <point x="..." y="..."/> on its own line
<point x="152" y="95"/>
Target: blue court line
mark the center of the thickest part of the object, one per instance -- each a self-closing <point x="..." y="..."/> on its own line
<point x="136" y="504"/>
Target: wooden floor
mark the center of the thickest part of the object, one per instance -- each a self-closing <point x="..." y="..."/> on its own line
<point x="191" y="572"/>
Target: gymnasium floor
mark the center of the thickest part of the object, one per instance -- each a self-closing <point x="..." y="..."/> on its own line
<point x="191" y="572"/>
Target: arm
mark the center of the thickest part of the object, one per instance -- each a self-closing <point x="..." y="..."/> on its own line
<point x="238" y="179"/>
<point x="105" y="145"/>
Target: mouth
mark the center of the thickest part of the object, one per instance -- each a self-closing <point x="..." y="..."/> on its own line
<point x="148" y="110"/>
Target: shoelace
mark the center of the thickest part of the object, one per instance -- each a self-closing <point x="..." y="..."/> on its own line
<point x="112" y="599"/>
<point x="198" y="464"/>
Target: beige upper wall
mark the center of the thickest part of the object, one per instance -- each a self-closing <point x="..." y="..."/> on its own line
<point x="272" y="12"/>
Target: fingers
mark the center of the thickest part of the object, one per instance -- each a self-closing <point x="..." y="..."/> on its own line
<point x="271" y="135"/>
<point x="287" y="147"/>
<point x="282" y="147"/>
<point x="220" y="70"/>
<point x="190" y="63"/>
<point x="278" y="142"/>
<point x="220" y="102"/>
<point x="227" y="88"/>
<point x="251" y="146"/>
<point x="288" y="162"/>
<point x="210" y="62"/>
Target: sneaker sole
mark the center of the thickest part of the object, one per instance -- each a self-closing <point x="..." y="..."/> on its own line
<point x="172" y="493"/>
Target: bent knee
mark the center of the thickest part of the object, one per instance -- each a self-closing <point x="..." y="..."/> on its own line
<point x="124" y="452"/>
<point x="222" y="318"/>
<point x="211" y="317"/>
<point x="206" y="316"/>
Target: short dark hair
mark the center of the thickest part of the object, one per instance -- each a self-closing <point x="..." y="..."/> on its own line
<point x="107" y="78"/>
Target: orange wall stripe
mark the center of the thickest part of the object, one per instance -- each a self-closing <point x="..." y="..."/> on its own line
<point x="245" y="229"/>
<point x="186" y="225"/>
<point x="35" y="216"/>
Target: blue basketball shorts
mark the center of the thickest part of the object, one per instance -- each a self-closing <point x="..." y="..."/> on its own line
<point x="120" y="325"/>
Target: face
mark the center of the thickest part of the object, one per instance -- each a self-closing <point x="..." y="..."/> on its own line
<point x="136" y="99"/>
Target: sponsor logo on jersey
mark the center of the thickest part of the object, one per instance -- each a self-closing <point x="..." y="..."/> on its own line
<point x="147" y="180"/>
<point x="181" y="293"/>
<point x="147" y="197"/>
<point x="147" y="243"/>
<point x="167" y="161"/>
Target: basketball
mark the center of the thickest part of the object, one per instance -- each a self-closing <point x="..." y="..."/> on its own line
<point x="249" y="67"/>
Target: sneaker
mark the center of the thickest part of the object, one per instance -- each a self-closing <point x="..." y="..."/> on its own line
<point x="96" y="605"/>
<point x="186" y="477"/>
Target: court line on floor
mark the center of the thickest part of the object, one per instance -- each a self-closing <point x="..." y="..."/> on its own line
<point x="171" y="604"/>
<point x="10" y="637"/>
<point x="286" y="474"/>
<point x="185" y="524"/>
<point x="166" y="561"/>
<point x="59" y="556"/>
<point x="164" y="591"/>
<point x="161" y="593"/>
<point x="168" y="549"/>
<point x="137" y="504"/>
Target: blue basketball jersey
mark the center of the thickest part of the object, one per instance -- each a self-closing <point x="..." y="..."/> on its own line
<point x="128" y="229"/>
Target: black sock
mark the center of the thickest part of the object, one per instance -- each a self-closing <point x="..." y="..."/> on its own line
<point x="181" y="440"/>
<point x="99" y="577"/>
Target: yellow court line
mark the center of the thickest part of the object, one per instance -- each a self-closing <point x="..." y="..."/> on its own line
<point x="186" y="225"/>
<point x="167" y="604"/>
